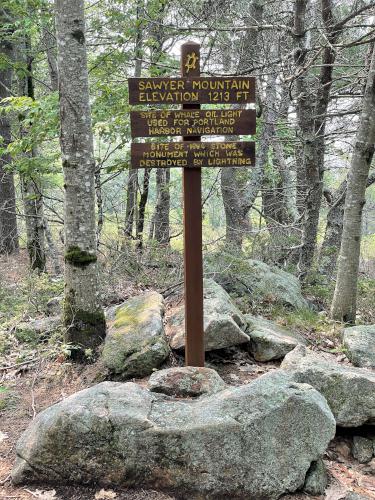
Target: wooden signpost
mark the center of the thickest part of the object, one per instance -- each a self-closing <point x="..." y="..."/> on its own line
<point x="191" y="155"/>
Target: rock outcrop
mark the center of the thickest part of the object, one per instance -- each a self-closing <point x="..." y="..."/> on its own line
<point x="224" y="324"/>
<point x="268" y="340"/>
<point x="255" y="441"/>
<point x="136" y="343"/>
<point x="185" y="381"/>
<point x="350" y="392"/>
<point x="257" y="280"/>
<point x="360" y="344"/>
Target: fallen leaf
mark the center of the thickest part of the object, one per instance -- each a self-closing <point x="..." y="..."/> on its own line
<point x="105" y="494"/>
<point x="335" y="492"/>
<point x="3" y="436"/>
<point x="367" y="482"/>
<point x="44" y="495"/>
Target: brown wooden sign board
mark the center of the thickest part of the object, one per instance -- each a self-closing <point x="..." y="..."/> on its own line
<point x="192" y="90"/>
<point x="193" y="122"/>
<point x="191" y="154"/>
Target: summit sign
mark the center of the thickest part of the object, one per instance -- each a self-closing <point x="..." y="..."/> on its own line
<point x="189" y="153"/>
<point x="202" y="90"/>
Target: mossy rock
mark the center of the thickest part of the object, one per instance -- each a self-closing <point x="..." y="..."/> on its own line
<point x="37" y="330"/>
<point x="256" y="280"/>
<point x="136" y="344"/>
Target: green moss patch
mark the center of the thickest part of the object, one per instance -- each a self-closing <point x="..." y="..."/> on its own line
<point x="79" y="258"/>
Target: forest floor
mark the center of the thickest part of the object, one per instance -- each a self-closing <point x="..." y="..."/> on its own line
<point x="26" y="389"/>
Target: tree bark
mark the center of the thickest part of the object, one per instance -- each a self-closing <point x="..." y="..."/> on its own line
<point x="344" y="302"/>
<point x="30" y="181"/>
<point x="131" y="203"/>
<point x="142" y="206"/>
<point x="312" y="122"/>
<point x="8" y="218"/>
<point x="132" y="185"/>
<point x="333" y="234"/>
<point x="83" y="314"/>
<point x="52" y="250"/>
<point x="240" y="187"/>
<point x="161" y="220"/>
<point x="49" y="43"/>
<point x="34" y="222"/>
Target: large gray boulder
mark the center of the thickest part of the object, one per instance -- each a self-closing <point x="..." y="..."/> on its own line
<point x="360" y="344"/>
<point x="350" y="392"/>
<point x="254" y="441"/>
<point x="136" y="343"/>
<point x="268" y="340"/>
<point x="257" y="280"/>
<point x="224" y="324"/>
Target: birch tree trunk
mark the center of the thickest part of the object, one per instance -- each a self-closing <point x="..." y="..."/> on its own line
<point x="83" y="314"/>
<point x="344" y="302"/>
<point x="8" y="219"/>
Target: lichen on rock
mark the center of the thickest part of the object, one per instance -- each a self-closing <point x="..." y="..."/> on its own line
<point x="231" y="444"/>
<point x="136" y="342"/>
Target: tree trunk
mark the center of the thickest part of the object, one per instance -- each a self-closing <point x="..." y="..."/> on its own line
<point x="161" y="221"/>
<point x="52" y="249"/>
<point x="344" y="302"/>
<point x="132" y="186"/>
<point x="131" y="201"/>
<point x="8" y="219"/>
<point x="49" y="43"/>
<point x="30" y="181"/>
<point x="240" y="187"/>
<point x="83" y="314"/>
<point x="34" y="221"/>
<point x="312" y="122"/>
<point x="333" y="234"/>
<point x="142" y="206"/>
<point x="332" y="237"/>
<point x="99" y="204"/>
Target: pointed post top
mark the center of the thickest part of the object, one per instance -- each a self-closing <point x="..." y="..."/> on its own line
<point x="190" y="59"/>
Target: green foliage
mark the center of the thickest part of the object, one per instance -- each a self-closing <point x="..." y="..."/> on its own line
<point x="27" y="336"/>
